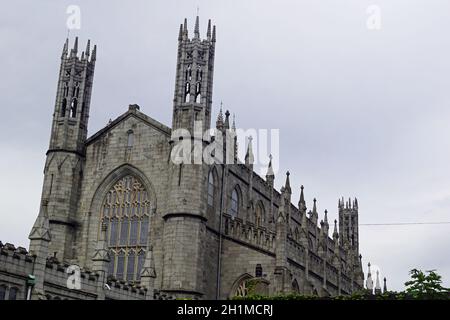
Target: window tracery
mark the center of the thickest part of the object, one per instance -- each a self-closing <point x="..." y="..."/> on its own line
<point x="126" y="211"/>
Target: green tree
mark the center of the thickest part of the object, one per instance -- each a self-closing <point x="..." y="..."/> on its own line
<point x="426" y="285"/>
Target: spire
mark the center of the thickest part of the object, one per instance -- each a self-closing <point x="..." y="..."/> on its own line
<point x="227" y="119"/>
<point x="180" y="33"/>
<point x="94" y="54"/>
<point x="88" y="49"/>
<point x="148" y="271"/>
<point x="314" y="210"/>
<point x="325" y="219"/>
<point x="197" y="28"/>
<point x="214" y="34"/>
<point x="65" y="48"/>
<point x="185" y="28"/>
<point x="233" y="126"/>
<point x="101" y="253"/>
<point x="219" y="122"/>
<point x="208" y="33"/>
<point x="41" y="227"/>
<point x="335" y="231"/>
<point x="75" y="47"/>
<point x="301" y="202"/>
<point x="377" y="284"/>
<point x="270" y="174"/>
<point x="287" y="184"/>
<point x="369" y="281"/>
<point x="249" y="158"/>
<point x="384" y="285"/>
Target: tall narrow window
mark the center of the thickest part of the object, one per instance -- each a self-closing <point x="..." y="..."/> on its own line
<point x="130" y="139"/>
<point x="198" y="95"/>
<point x="126" y="210"/>
<point x="130" y="266"/>
<point x="211" y="189"/>
<point x="73" y="108"/>
<point x="234" y="206"/>
<point x="141" y="259"/>
<point x="64" y="108"/>
<point x="120" y="265"/>
<point x="2" y="292"/>
<point x="124" y="231"/>
<point x="134" y="231"/>
<point x="144" y="230"/>
<point x="259" y="214"/>
<point x="187" y="92"/>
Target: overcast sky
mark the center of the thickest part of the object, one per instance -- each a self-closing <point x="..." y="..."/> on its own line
<point x="361" y="112"/>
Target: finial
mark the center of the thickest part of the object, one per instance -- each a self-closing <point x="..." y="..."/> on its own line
<point x="88" y="48"/>
<point x="197" y="28"/>
<point x="384" y="285"/>
<point x="214" y="34"/>
<point x="233" y="126"/>
<point x="249" y="158"/>
<point x="208" y="32"/>
<point x="180" y="33"/>
<point x="335" y="231"/>
<point x="65" y="48"/>
<point x="287" y="184"/>
<point x="314" y="205"/>
<point x="219" y="122"/>
<point x="185" y="28"/>
<point x="227" y="119"/>
<point x="270" y="173"/>
<point x="301" y="202"/>
<point x="94" y="54"/>
<point x="325" y="219"/>
<point x="75" y="46"/>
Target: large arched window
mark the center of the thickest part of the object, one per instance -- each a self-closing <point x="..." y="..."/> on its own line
<point x="234" y="205"/>
<point x="211" y="189"/>
<point x="126" y="210"/>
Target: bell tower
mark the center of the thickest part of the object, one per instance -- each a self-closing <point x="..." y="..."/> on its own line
<point x="66" y="154"/>
<point x="194" y="78"/>
<point x="185" y="236"/>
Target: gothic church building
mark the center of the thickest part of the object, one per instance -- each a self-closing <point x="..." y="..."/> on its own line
<point x="140" y="226"/>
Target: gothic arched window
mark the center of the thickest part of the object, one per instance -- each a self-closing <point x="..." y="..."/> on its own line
<point x="234" y="205"/>
<point x="259" y="214"/>
<point x="2" y="292"/>
<point x="211" y="190"/>
<point x="13" y="293"/>
<point x="73" y="108"/>
<point x="130" y="138"/>
<point x="126" y="210"/>
<point x="63" y="108"/>
<point x="295" y="286"/>
<point x="198" y="95"/>
<point x="242" y="290"/>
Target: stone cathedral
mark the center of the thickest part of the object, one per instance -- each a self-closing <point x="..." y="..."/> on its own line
<point x="119" y="220"/>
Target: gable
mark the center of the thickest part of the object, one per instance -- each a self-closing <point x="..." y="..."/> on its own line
<point x="131" y="113"/>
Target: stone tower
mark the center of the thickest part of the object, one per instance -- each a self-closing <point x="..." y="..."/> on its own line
<point x="194" y="78"/>
<point x="65" y="157"/>
<point x="184" y="238"/>
<point x="348" y="224"/>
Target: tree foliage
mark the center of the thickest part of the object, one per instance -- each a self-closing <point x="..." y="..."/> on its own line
<point x="425" y="285"/>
